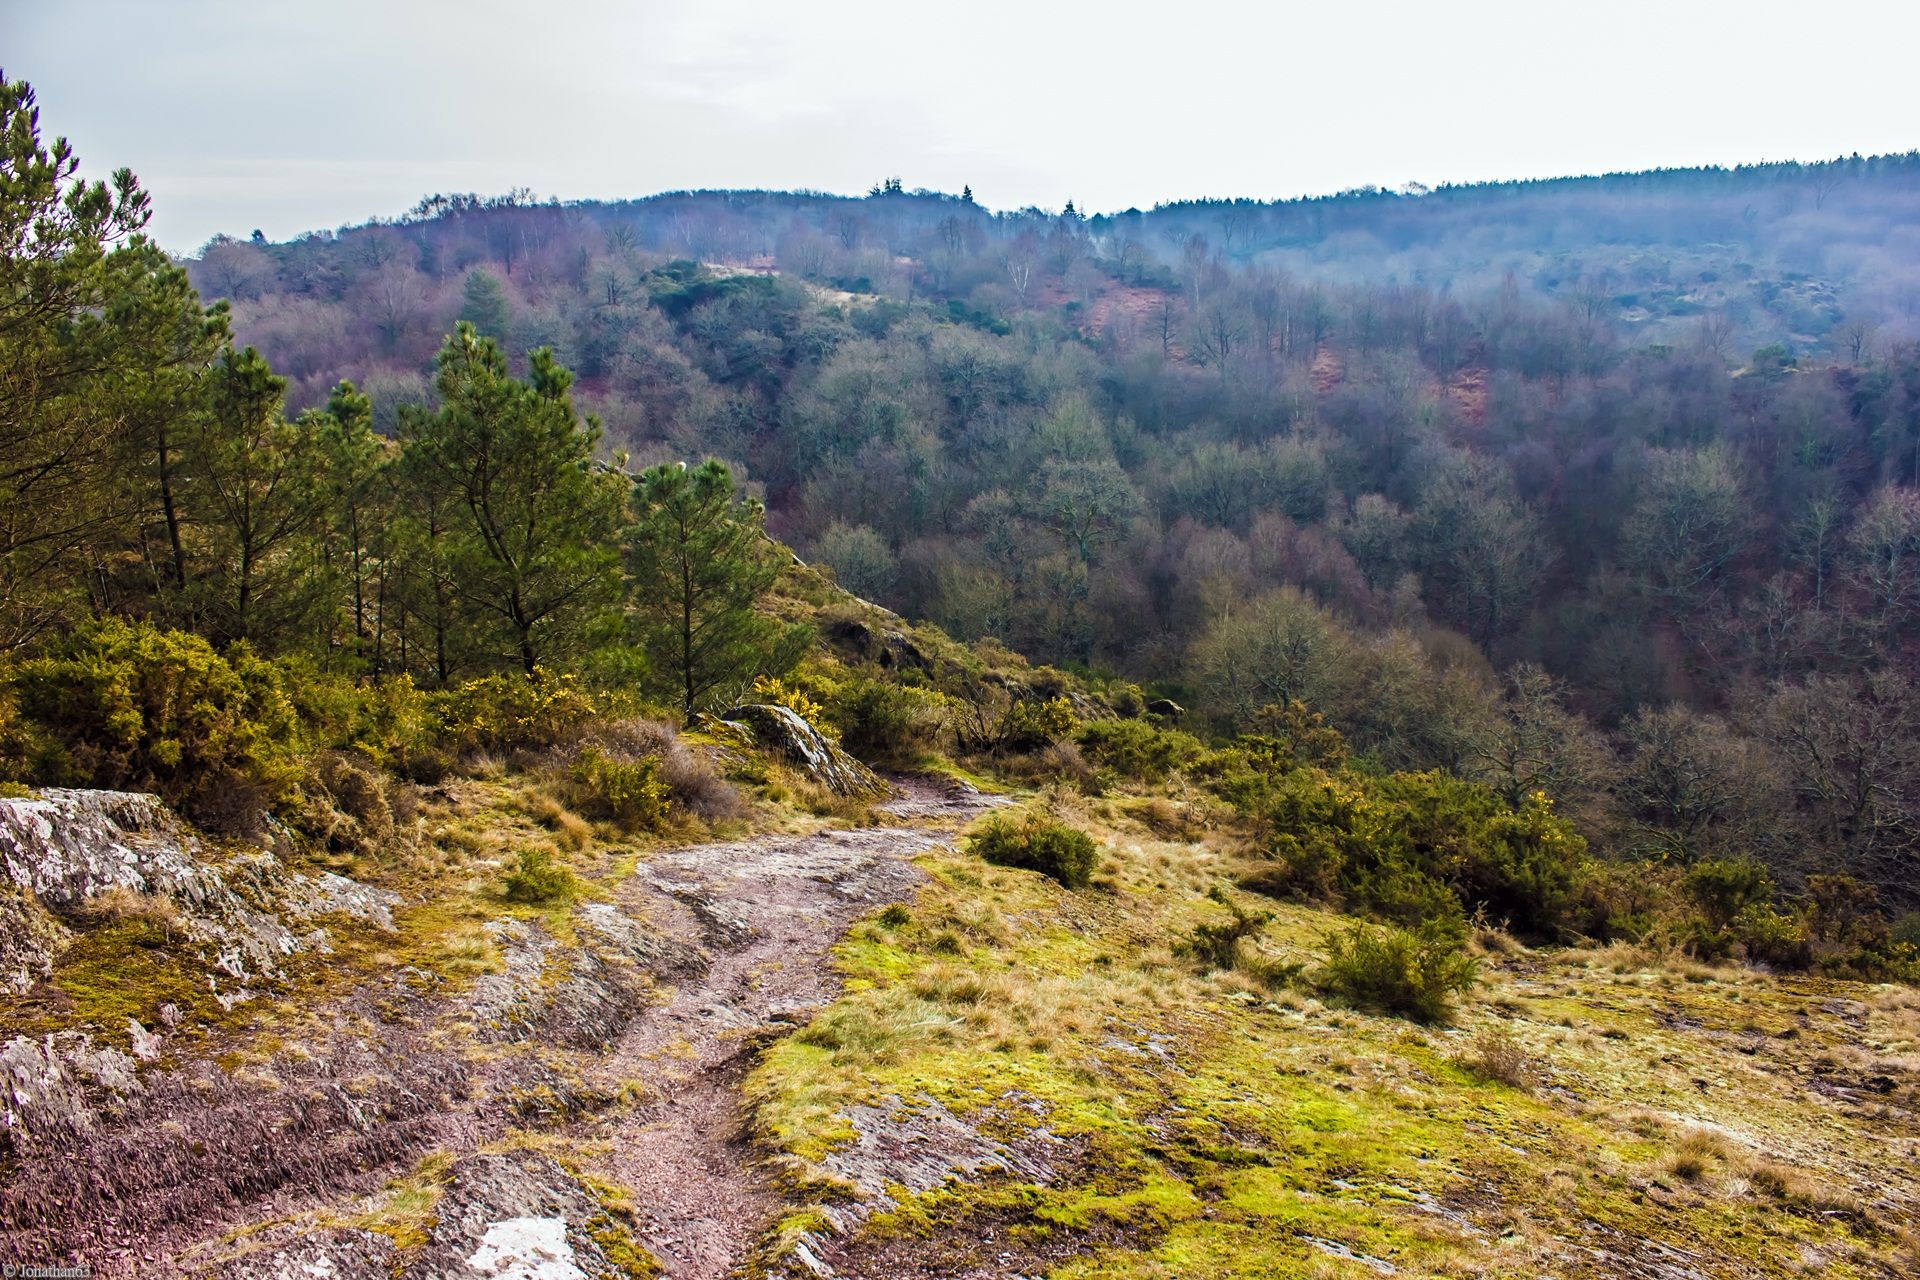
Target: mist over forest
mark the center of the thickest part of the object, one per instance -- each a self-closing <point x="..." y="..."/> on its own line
<point x="1625" y="464"/>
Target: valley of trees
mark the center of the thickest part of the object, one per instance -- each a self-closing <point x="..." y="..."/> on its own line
<point x="1605" y="488"/>
<point x="1488" y="519"/>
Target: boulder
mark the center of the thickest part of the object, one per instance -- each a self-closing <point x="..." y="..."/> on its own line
<point x="1165" y="708"/>
<point x="892" y="650"/>
<point x="786" y="731"/>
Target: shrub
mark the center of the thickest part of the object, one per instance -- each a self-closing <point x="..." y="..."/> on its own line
<point x="505" y="713"/>
<point x="1031" y="723"/>
<point x="1906" y="930"/>
<point x="629" y="791"/>
<point x="780" y="693"/>
<point x="537" y="879"/>
<point x="1771" y="937"/>
<point x="1038" y="844"/>
<point x="350" y="803"/>
<point x="1215" y="944"/>
<point x="1841" y="910"/>
<point x="885" y="723"/>
<point x="1723" y="888"/>
<point x="690" y="781"/>
<point x="128" y="705"/>
<point x="1412" y="847"/>
<point x="1398" y="971"/>
<point x="1138" y="749"/>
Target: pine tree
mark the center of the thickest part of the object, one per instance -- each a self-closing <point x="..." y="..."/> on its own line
<point x="355" y="511"/>
<point x="701" y="561"/>
<point x="68" y="250"/>
<point x="484" y="305"/>
<point x="256" y="496"/>
<point x="532" y="540"/>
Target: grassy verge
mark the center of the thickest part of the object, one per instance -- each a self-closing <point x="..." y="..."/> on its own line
<point x="1224" y="1123"/>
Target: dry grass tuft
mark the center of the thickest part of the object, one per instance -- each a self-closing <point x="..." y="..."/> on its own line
<point x="121" y="905"/>
<point x="1497" y="1055"/>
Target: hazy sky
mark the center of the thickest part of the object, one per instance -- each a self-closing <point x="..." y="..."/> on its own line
<point x="289" y="116"/>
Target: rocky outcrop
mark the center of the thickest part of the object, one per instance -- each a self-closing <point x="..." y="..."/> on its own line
<point x="891" y="649"/>
<point x="53" y="1091"/>
<point x="785" y="731"/>
<point x="64" y="851"/>
<point x="29" y="940"/>
<point x="304" y="1253"/>
<point x="580" y="996"/>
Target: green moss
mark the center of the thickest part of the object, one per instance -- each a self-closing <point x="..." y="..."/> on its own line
<point x="1214" y="1131"/>
<point x="127" y="969"/>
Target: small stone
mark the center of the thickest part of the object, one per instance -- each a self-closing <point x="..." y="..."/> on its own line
<point x="146" y="1045"/>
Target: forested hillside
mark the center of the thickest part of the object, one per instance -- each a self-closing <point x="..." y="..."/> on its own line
<point x="1605" y="487"/>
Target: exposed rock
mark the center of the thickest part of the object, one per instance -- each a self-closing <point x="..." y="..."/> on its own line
<point x="522" y="1217"/>
<point x="68" y="847"/>
<point x="51" y="1090"/>
<point x="335" y="1253"/>
<point x="918" y="1146"/>
<point x="29" y="940"/>
<point x="1166" y="708"/>
<point x="619" y="937"/>
<point x="107" y="1167"/>
<point x="781" y="729"/>
<point x="892" y="649"/>
<point x="582" y="997"/>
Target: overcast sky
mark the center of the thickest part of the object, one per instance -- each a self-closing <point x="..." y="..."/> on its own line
<point x="291" y="116"/>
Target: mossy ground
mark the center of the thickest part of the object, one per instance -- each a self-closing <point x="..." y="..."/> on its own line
<point x="1220" y="1125"/>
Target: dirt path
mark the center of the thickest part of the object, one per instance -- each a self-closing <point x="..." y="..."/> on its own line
<point x="767" y="911"/>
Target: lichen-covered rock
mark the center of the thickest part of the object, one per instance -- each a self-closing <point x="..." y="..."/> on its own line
<point x="523" y="1217"/>
<point x="307" y="1253"/>
<point x="52" y="1090"/>
<point x="582" y="997"/>
<point x="67" y="848"/>
<point x="29" y="940"/>
<point x="781" y="729"/>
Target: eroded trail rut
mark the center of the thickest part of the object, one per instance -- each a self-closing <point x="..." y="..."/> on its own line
<point x="276" y="1172"/>
<point x="767" y="912"/>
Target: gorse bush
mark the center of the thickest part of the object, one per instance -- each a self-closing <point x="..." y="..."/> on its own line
<point x="885" y="723"/>
<point x="1397" y="970"/>
<point x="537" y="880"/>
<point x="1215" y="944"/>
<point x="1415" y="848"/>
<point x="1038" y="843"/>
<point x="629" y="792"/>
<point x="504" y="713"/>
<point x="1031" y="723"/>
<point x="1723" y="888"/>
<point x="1138" y="749"/>
<point x="784" y="693"/>
<point x="128" y="705"/>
